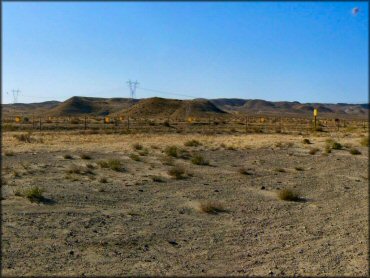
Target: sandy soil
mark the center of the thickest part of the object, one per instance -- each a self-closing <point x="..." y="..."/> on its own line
<point x="134" y="225"/>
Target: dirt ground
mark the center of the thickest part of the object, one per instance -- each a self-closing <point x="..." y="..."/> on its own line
<point x="139" y="220"/>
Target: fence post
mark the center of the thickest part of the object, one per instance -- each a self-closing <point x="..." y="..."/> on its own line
<point x="246" y="124"/>
<point x="128" y="123"/>
<point x="85" y="122"/>
<point x="40" y="123"/>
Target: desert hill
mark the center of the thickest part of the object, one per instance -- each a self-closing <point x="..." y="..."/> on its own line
<point x="76" y="106"/>
<point x="175" y="108"/>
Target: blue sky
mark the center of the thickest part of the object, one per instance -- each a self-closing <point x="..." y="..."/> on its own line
<point x="307" y="52"/>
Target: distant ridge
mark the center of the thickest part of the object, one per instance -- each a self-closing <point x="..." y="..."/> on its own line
<point x="176" y="108"/>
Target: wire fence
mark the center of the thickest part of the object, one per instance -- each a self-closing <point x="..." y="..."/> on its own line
<point x="211" y="124"/>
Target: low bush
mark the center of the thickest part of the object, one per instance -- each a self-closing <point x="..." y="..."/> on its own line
<point x="199" y="160"/>
<point x="288" y="195"/>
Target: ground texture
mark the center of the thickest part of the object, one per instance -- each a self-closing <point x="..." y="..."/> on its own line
<point x="137" y="219"/>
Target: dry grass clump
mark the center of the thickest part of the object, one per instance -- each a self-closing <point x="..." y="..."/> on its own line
<point x="330" y="143"/>
<point x="137" y="146"/>
<point x="85" y="156"/>
<point x="103" y="180"/>
<point x="199" y="160"/>
<point x="143" y="152"/>
<point x="67" y="156"/>
<point x="176" y="152"/>
<point x="25" y="137"/>
<point x="354" y="151"/>
<point x="336" y="146"/>
<point x="244" y="171"/>
<point x="365" y="141"/>
<point x="34" y="194"/>
<point x="177" y="172"/>
<point x="135" y="157"/>
<point x="113" y="164"/>
<point x="306" y="141"/>
<point x="167" y="160"/>
<point x="281" y="170"/>
<point x="313" y="151"/>
<point x="192" y="143"/>
<point x="157" y="179"/>
<point x="288" y="195"/>
<point x="171" y="151"/>
<point x="211" y="207"/>
<point x="76" y="169"/>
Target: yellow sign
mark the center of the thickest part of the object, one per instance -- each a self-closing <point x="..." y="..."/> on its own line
<point x="315" y="112"/>
<point x="17" y="119"/>
<point x="122" y="118"/>
<point x="262" y="120"/>
<point x="107" y="120"/>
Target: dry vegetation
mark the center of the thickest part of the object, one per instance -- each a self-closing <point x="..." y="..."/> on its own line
<point x="100" y="204"/>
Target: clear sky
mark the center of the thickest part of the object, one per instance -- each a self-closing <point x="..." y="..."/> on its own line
<point x="307" y="52"/>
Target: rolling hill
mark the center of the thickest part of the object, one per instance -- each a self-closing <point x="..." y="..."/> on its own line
<point x="179" y="109"/>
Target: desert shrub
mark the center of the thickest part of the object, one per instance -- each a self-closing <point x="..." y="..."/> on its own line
<point x="244" y="171"/>
<point x="24" y="137"/>
<point x="171" y="151"/>
<point x="34" y="194"/>
<point x="199" y="160"/>
<point x="166" y="123"/>
<point x="143" y="152"/>
<point x="192" y="143"/>
<point x="76" y="169"/>
<point x="67" y="156"/>
<point x="103" y="180"/>
<point x="9" y="153"/>
<point x="231" y="148"/>
<point x="16" y="174"/>
<point x="113" y="164"/>
<point x="319" y="129"/>
<point x="336" y="146"/>
<point x="137" y="146"/>
<point x="313" y="151"/>
<point x="327" y="149"/>
<point x="85" y="156"/>
<point x="354" y="151"/>
<point x="90" y="166"/>
<point x="306" y="141"/>
<point x="157" y="179"/>
<point x="281" y="170"/>
<point x="211" y="207"/>
<point x="365" y="141"/>
<point x="288" y="195"/>
<point x="135" y="157"/>
<point x="299" y="168"/>
<point x="75" y="121"/>
<point x="167" y="160"/>
<point x="177" y="172"/>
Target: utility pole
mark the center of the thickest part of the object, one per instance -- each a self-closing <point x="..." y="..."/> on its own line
<point x="132" y="86"/>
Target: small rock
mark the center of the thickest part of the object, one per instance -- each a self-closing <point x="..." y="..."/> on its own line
<point x="263" y="188"/>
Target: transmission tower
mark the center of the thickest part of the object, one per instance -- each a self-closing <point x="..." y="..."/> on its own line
<point x="132" y="86"/>
<point x="15" y="95"/>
